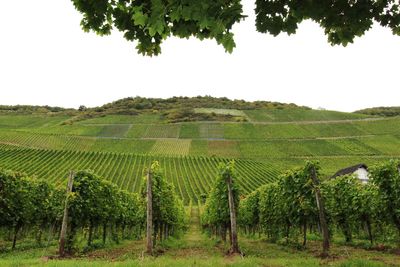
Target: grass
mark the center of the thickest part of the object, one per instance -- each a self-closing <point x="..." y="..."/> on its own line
<point x="277" y="260"/>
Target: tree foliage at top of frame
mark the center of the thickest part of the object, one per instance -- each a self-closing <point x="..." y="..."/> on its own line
<point x="151" y="22"/>
<point x="342" y="20"/>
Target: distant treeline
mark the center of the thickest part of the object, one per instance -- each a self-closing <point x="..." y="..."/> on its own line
<point x="381" y="111"/>
<point x="178" y="109"/>
<point x="140" y="103"/>
<point x="26" y="109"/>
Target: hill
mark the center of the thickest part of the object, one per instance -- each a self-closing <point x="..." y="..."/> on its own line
<point x="178" y="109"/>
<point x="267" y="140"/>
<point x="185" y="109"/>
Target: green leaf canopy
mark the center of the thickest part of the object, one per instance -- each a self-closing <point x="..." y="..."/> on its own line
<point x="151" y="22"/>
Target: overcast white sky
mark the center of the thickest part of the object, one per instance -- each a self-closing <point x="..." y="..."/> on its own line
<point x="45" y="58"/>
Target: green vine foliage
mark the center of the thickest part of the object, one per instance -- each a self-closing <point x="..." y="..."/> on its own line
<point x="271" y="210"/>
<point x="249" y="212"/>
<point x="95" y="205"/>
<point x="288" y="207"/>
<point x="96" y="202"/>
<point x="299" y="197"/>
<point x="354" y="207"/>
<point x="169" y="216"/>
<point x="345" y="203"/>
<point x="387" y="178"/>
<point x="371" y="210"/>
<point x="342" y="20"/>
<point x="151" y="22"/>
<point x="216" y="215"/>
<point x="27" y="203"/>
<point x="288" y="204"/>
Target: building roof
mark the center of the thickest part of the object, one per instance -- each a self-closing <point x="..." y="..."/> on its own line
<point x="350" y="170"/>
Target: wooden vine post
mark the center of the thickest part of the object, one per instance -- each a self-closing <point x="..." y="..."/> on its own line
<point x="321" y="210"/>
<point x="64" y="226"/>
<point x="149" y="229"/>
<point x="232" y="211"/>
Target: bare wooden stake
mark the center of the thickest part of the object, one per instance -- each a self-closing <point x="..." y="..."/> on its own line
<point x="232" y="211"/>
<point x="149" y="235"/>
<point x="64" y="225"/>
<point x="322" y="216"/>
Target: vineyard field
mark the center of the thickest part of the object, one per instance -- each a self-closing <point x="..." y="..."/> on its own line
<point x="123" y="119"/>
<point x="119" y="147"/>
<point x="211" y="131"/>
<point x="171" y="147"/>
<point x="162" y="131"/>
<point x="299" y="115"/>
<point x="383" y="145"/>
<point x="191" y="176"/>
<point x="29" y="121"/>
<point x="189" y="130"/>
<point x="219" y="131"/>
<point x="115" y="130"/>
<point x="72" y="130"/>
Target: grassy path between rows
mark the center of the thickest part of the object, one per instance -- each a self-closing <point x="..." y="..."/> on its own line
<point x="194" y="237"/>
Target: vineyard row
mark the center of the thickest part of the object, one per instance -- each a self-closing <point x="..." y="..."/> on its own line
<point x="191" y="176"/>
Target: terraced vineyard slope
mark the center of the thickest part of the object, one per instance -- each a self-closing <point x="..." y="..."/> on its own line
<point x="267" y="139"/>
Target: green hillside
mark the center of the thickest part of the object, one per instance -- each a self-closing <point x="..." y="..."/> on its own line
<point x="270" y="139"/>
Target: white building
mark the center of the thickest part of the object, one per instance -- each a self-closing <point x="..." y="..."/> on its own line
<point x="360" y="170"/>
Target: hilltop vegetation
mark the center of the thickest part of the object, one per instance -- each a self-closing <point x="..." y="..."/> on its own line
<point x="140" y="103"/>
<point x="380" y="111"/>
<point x="178" y="109"/>
<point x="27" y="109"/>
